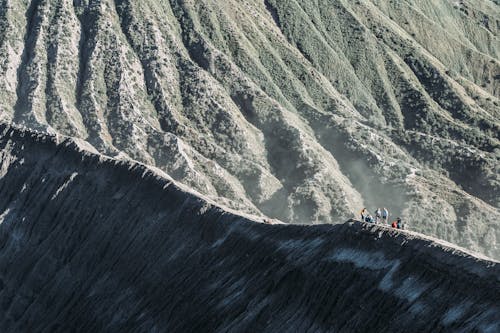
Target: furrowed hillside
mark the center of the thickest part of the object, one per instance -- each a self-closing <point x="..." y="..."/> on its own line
<point x="305" y="111"/>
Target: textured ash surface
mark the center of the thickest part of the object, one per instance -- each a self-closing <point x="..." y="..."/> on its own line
<point x="93" y="244"/>
<point x="304" y="111"/>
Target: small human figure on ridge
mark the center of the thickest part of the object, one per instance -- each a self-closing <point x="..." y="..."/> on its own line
<point x="378" y="215"/>
<point x="397" y="224"/>
<point x="385" y="215"/>
<point x="364" y="214"/>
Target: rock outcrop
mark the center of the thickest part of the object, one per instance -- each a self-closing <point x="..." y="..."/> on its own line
<point x="90" y="243"/>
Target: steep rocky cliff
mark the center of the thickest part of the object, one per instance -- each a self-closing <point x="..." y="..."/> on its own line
<point x="93" y="244"/>
<point x="304" y="111"/>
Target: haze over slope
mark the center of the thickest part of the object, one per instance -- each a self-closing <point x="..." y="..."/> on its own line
<point x="142" y="254"/>
<point x="301" y="110"/>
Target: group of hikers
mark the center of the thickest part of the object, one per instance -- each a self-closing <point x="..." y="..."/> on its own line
<point x="381" y="216"/>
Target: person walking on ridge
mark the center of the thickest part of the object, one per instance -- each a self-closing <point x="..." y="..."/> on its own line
<point x="385" y="215"/>
<point x="397" y="224"/>
<point x="364" y="214"/>
<point x="378" y="215"/>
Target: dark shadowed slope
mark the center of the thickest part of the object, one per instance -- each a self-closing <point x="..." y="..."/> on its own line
<point x="93" y="244"/>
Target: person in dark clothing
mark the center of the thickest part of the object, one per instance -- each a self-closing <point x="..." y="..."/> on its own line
<point x="364" y="214"/>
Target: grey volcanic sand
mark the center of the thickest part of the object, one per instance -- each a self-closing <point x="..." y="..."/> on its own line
<point x="91" y="244"/>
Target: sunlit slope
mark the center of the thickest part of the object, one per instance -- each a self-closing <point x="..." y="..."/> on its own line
<point x="301" y="110"/>
<point x="98" y="245"/>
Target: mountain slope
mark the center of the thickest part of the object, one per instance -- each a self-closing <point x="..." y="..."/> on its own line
<point x="305" y="112"/>
<point x="143" y="254"/>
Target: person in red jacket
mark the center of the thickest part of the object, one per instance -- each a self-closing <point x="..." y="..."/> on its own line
<point x="397" y="224"/>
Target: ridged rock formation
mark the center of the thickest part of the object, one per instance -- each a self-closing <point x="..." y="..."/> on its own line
<point x="94" y="244"/>
<point x="305" y="111"/>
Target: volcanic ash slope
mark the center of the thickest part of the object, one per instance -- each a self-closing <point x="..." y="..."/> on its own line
<point x="305" y="111"/>
<point x="94" y="244"/>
